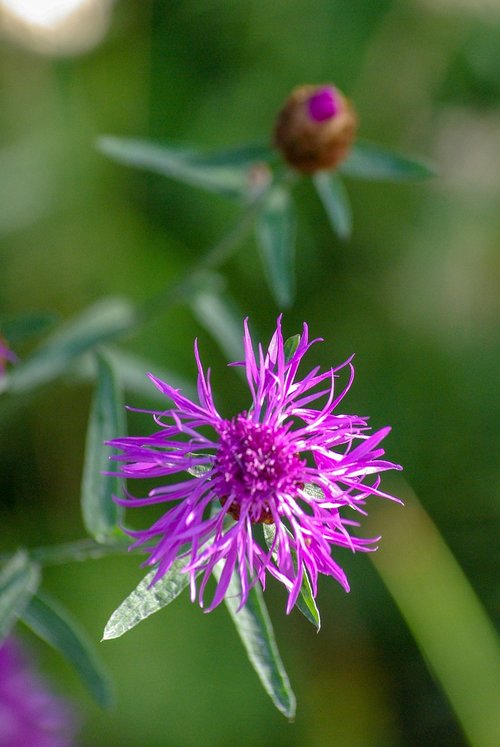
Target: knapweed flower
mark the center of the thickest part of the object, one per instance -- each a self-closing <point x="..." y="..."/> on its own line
<point x="315" y="128"/>
<point x="281" y="462"/>
<point x="30" y="714"/>
<point x="6" y="356"/>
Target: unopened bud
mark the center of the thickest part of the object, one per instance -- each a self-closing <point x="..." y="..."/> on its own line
<point x="315" y="128"/>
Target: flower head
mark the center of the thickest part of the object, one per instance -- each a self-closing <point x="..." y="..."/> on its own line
<point x="315" y="128"/>
<point x="281" y="463"/>
<point x="30" y="715"/>
<point x="6" y="355"/>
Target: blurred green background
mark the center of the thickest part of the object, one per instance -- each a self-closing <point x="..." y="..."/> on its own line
<point x="414" y="294"/>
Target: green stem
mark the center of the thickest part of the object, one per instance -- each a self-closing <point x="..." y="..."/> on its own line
<point x="78" y="550"/>
<point x="444" y="615"/>
<point x="214" y="257"/>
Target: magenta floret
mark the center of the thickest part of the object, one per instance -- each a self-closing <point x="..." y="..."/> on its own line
<point x="323" y="104"/>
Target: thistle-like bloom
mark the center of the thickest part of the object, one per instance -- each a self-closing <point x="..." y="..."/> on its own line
<point x="30" y="715"/>
<point x="6" y="356"/>
<point x="302" y="472"/>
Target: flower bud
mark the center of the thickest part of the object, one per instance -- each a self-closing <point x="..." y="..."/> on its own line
<point x="315" y="128"/>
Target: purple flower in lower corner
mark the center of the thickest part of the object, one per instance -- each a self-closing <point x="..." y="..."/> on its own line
<point x="6" y="356"/>
<point x="30" y="714"/>
<point x="304" y="470"/>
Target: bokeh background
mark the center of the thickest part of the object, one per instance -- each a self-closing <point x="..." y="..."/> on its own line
<point x="414" y="294"/>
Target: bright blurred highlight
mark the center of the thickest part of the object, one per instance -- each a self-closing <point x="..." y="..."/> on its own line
<point x="56" y="27"/>
<point x="47" y="13"/>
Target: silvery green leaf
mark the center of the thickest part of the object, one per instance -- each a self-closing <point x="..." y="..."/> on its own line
<point x="145" y="601"/>
<point x="19" y="580"/>
<point x="20" y="327"/>
<point x="305" y="601"/>
<point x="55" y="626"/>
<point x="291" y="345"/>
<point x="275" y="228"/>
<point x="223" y="174"/>
<point x="247" y="154"/>
<point x="101" y="515"/>
<point x="218" y="316"/>
<point x="370" y="161"/>
<point x="335" y="200"/>
<point x="313" y="491"/>
<point x="198" y="470"/>
<point x="133" y="370"/>
<point x="255" y="630"/>
<point x="99" y="323"/>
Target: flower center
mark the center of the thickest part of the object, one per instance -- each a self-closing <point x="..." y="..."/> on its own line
<point x="323" y="104"/>
<point x="255" y="464"/>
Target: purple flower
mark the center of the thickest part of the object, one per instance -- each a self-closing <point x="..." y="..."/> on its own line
<point x="6" y="355"/>
<point x="280" y="462"/>
<point x="323" y="104"/>
<point x="30" y="715"/>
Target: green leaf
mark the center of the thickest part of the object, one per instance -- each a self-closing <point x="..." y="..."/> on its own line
<point x="101" y="322"/>
<point x="335" y="200"/>
<point x="198" y="470"/>
<point x="219" y="317"/>
<point x="101" y="515"/>
<point x="291" y="345"/>
<point x="77" y="550"/>
<point x="55" y="626"/>
<point x="255" y="630"/>
<point x="313" y="491"/>
<point x="305" y="601"/>
<point x="275" y="228"/>
<point x="369" y="161"/>
<point x="133" y="374"/>
<point x="19" y="580"/>
<point x="145" y="601"/>
<point x="245" y="154"/>
<point x="18" y="328"/>
<point x="225" y="174"/>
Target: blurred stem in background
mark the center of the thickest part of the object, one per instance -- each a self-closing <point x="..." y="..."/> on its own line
<point x="443" y="614"/>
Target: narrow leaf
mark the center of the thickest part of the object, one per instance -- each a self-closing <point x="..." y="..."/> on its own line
<point x="313" y="491"/>
<point x="223" y="175"/>
<point x="255" y="630"/>
<point x="247" y="154"/>
<point x="18" y="328"/>
<point x="218" y="316"/>
<point x="133" y="373"/>
<point x="19" y="580"/>
<point x="291" y="345"/>
<point x="54" y="625"/>
<point x="101" y="514"/>
<point x="145" y="601"/>
<point x="199" y="470"/>
<point x="335" y="200"/>
<point x="305" y="601"/>
<point x="102" y="322"/>
<point x="369" y="161"/>
<point x="276" y="239"/>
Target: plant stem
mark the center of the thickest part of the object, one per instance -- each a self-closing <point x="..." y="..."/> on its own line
<point x="219" y="253"/>
<point x="77" y="550"/>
